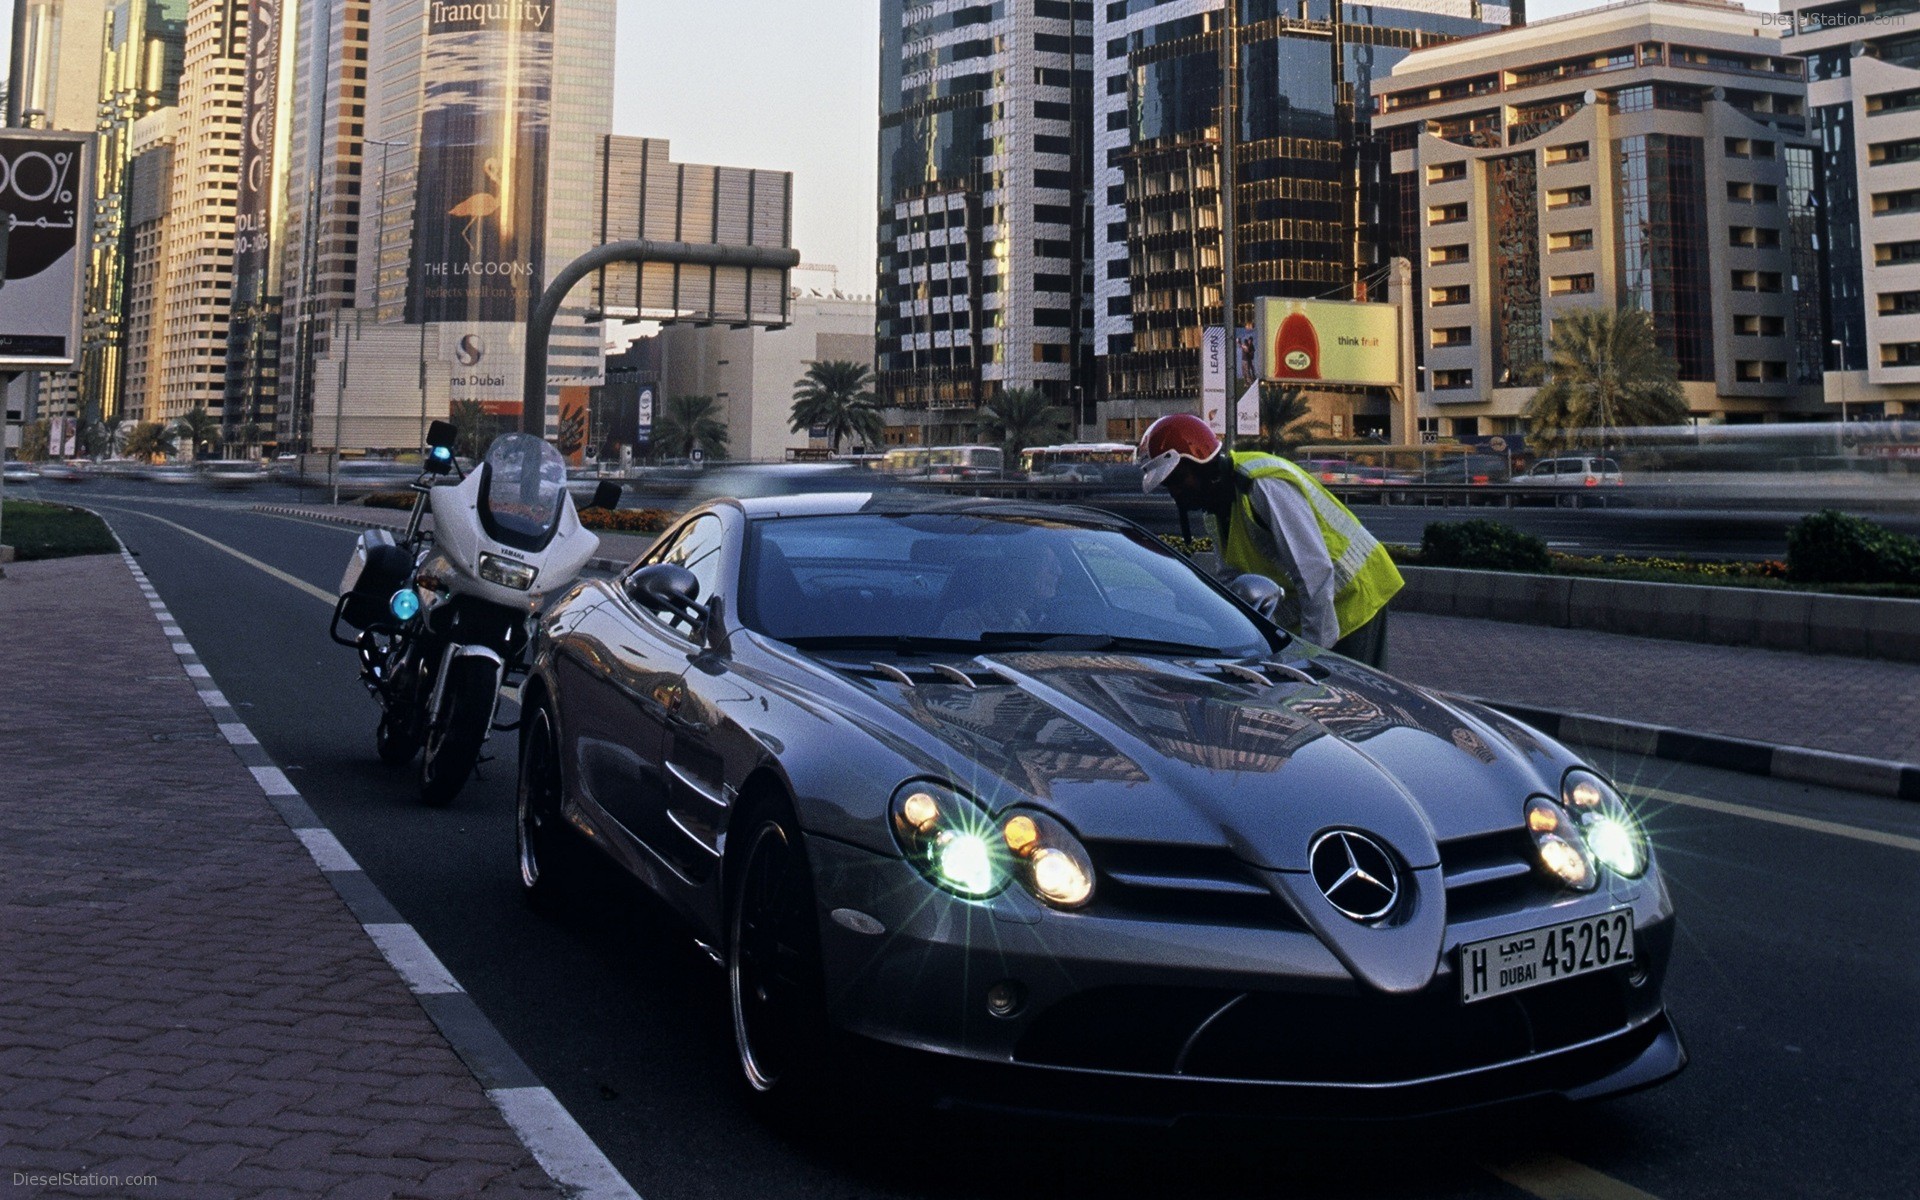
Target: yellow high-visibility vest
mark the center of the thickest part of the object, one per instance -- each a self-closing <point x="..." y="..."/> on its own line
<point x="1364" y="577"/>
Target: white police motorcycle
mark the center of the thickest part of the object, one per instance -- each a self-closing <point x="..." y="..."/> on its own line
<point x="443" y="618"/>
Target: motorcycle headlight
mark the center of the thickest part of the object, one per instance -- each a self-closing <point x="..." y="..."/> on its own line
<point x="506" y="572"/>
<point x="1606" y="824"/>
<point x="1556" y="840"/>
<point x="405" y="604"/>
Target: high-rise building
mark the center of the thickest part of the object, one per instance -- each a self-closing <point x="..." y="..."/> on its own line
<point x="1651" y="155"/>
<point x="54" y="74"/>
<point x="983" y="214"/>
<point x="196" y="281"/>
<point x="1309" y="196"/>
<point x="139" y="73"/>
<point x="149" y="201"/>
<point x="1863" y="101"/>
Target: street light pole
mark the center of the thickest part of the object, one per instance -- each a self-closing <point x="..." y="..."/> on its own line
<point x="339" y="405"/>
<point x="1229" y="86"/>
<point x="1840" y="365"/>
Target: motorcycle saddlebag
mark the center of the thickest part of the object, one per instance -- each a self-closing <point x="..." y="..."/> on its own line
<point x="378" y="569"/>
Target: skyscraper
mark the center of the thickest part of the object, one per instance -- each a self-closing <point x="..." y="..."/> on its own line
<point x="250" y="409"/>
<point x="54" y="76"/>
<point x="1309" y="185"/>
<point x="983" y="213"/>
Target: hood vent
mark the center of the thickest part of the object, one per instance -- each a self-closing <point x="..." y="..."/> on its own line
<point x="1272" y="673"/>
<point x="918" y="675"/>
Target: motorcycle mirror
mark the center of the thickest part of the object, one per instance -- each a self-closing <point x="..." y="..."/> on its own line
<point x="666" y="587"/>
<point x="442" y="435"/>
<point x="606" y="496"/>
<point x="1259" y="593"/>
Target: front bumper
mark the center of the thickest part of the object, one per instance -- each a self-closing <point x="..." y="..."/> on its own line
<point x="1134" y="1013"/>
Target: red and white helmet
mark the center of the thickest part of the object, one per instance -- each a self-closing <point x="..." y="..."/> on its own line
<point x="1171" y="439"/>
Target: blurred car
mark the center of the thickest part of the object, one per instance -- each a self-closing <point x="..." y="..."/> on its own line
<point x="232" y="474"/>
<point x="169" y="474"/>
<point x="62" y="472"/>
<point x="1383" y="476"/>
<point x="1573" y="472"/>
<point x="1017" y="784"/>
<point x="1470" y="469"/>
<point x="19" y="472"/>
<point x="363" y="477"/>
<point x="754" y="481"/>
<point x="1332" y="470"/>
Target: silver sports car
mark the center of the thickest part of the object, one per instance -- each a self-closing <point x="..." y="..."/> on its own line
<point x="1017" y="785"/>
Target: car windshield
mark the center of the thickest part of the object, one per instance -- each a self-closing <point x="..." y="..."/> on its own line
<point x="526" y="480"/>
<point x="955" y="580"/>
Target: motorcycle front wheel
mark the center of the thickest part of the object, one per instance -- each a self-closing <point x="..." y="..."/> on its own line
<point x="458" y="730"/>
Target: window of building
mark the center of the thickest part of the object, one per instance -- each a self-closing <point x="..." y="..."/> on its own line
<point x="1756" y="281"/>
<point x="1453" y="335"/>
<point x="1452" y="381"/>
<point x="1752" y="237"/>
<point x="1439" y="255"/>
<point x="1446" y="172"/>
<point x="1441" y="296"/>
<point x="1570" y="197"/>
<point x="1572" y="152"/>
<point x="1900" y="354"/>
<point x="1749" y="148"/>
<point x="1446" y="214"/>
<point x="1899" y="304"/>
<point x="1572" y="239"/>
<point x="1757" y="325"/>
<point x="1571" y="285"/>
<point x="1892" y="203"/>
<point x="1890" y="253"/>
<point x="1764" y="370"/>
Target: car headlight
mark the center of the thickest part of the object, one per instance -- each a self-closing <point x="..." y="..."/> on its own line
<point x="506" y="572"/>
<point x="1606" y="823"/>
<point x="1556" y="840"/>
<point x="957" y="846"/>
<point x="950" y="839"/>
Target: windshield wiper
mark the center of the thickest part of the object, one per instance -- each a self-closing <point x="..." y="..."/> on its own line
<point x="898" y="643"/>
<point x="1025" y="640"/>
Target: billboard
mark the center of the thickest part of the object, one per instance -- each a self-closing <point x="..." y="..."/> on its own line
<point x="45" y="216"/>
<point x="479" y="224"/>
<point x="253" y="212"/>
<point x="1213" y="377"/>
<point x="482" y="360"/>
<point x="1328" y="341"/>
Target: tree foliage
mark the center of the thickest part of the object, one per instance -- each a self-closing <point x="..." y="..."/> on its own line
<point x="1607" y="370"/>
<point x="686" y="422"/>
<point x="1286" y="422"/>
<point x="149" y="440"/>
<point x="199" y="427"/>
<point x="1022" y="417"/>
<point x="837" y="395"/>
<point x="474" y="428"/>
<point x="33" y="441"/>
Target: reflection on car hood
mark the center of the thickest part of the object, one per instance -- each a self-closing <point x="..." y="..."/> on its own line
<point x="1134" y="748"/>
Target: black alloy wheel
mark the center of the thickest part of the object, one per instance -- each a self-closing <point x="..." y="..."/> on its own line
<point x="539" y="827"/>
<point x="773" y="959"/>
<point x="458" y="730"/>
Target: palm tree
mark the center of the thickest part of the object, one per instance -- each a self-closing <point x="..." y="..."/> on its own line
<point x="149" y="440"/>
<point x="1607" y="369"/>
<point x="835" y="395"/>
<point x="1020" y="417"/>
<point x="1285" y="423"/>
<point x="33" y="441"/>
<point x="685" y="423"/>
<point x="198" y="427"/>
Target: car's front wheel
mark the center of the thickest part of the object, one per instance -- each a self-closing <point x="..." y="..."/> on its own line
<point x="773" y="958"/>
<point x="538" y="825"/>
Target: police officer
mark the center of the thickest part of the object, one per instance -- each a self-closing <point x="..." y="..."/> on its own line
<point x="1272" y="518"/>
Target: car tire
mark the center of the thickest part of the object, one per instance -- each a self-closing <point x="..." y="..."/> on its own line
<point x="775" y="985"/>
<point x="457" y="732"/>
<point x="540" y="834"/>
<point x="394" y="747"/>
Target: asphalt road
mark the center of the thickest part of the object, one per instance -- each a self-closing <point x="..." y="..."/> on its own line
<point x="1793" y="979"/>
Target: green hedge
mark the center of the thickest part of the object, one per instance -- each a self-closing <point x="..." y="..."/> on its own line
<point x="37" y="530"/>
<point x="1487" y="545"/>
<point x="1837" y="547"/>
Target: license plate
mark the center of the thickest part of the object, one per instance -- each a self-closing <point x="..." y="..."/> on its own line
<point x="1522" y="960"/>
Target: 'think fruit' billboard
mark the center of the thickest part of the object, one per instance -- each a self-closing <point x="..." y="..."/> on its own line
<point x="1328" y="341"/>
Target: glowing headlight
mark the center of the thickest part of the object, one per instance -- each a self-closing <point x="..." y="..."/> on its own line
<point x="405" y="604"/>
<point x="1605" y="823"/>
<point x="1050" y="860"/>
<point x="1557" y="842"/>
<point x="958" y="847"/>
<point x="506" y="572"/>
<point x="949" y="839"/>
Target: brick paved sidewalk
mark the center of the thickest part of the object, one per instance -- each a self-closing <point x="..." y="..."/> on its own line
<point x="182" y="994"/>
<point x="1846" y="705"/>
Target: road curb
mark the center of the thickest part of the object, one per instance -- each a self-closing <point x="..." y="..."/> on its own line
<point x="1801" y="764"/>
<point x="610" y="565"/>
<point x="563" y="1150"/>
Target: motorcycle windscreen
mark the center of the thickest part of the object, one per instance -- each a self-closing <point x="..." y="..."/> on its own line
<point x="526" y="485"/>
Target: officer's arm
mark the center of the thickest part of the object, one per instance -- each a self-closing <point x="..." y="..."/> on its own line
<point x="1291" y="519"/>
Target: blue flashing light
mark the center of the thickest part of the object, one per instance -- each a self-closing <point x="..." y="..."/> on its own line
<point x="405" y="604"/>
<point x="442" y="453"/>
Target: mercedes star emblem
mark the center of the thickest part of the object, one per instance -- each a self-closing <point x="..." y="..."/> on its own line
<point x="1355" y="873"/>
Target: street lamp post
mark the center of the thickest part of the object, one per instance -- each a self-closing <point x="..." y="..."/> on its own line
<point x="1840" y="369"/>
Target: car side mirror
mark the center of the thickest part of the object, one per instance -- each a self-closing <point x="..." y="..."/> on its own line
<point x="667" y="588"/>
<point x="1259" y="593"/>
<point x="606" y="496"/>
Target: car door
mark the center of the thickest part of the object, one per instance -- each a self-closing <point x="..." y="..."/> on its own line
<point x="647" y="661"/>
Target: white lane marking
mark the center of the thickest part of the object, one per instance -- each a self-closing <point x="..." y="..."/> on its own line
<point x="561" y="1147"/>
<point x="238" y="734"/>
<point x="173" y="631"/>
<point x="407" y="951"/>
<point x="1551" y="1177"/>
<point x="182" y="648"/>
<point x="214" y="698"/>
<point x="328" y="853"/>
<point x="1857" y="833"/>
<point x="327" y="598"/>
<point x="196" y="671"/>
<point x="273" y="781"/>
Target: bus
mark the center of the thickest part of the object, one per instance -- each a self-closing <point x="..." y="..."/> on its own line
<point x="1085" y="462"/>
<point x="946" y="462"/>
